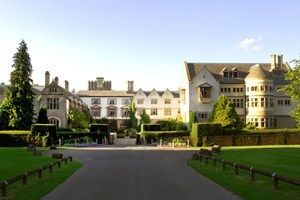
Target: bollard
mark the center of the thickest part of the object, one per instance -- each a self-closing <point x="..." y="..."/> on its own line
<point x="160" y="142"/>
<point x="50" y="168"/>
<point x="75" y="142"/>
<point x="188" y="143"/>
<point x="40" y="172"/>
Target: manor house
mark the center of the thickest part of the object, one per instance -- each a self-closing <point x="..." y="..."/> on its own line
<point x="251" y="87"/>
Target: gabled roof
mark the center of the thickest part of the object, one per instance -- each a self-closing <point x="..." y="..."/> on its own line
<point x="66" y="93"/>
<point x="216" y="69"/>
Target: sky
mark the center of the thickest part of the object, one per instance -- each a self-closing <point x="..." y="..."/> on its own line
<point x="145" y="41"/>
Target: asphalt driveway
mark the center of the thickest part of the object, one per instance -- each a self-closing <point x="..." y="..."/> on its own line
<point x="136" y="172"/>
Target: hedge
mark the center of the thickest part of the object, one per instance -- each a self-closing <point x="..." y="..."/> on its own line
<point x="164" y="134"/>
<point x="150" y="127"/>
<point x="14" y="138"/>
<point x="46" y="131"/>
<point x="200" y="130"/>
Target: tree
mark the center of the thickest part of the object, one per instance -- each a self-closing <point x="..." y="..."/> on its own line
<point x="19" y="98"/>
<point x="192" y="120"/>
<point x="43" y="117"/>
<point x="225" y="114"/>
<point x="132" y="117"/>
<point x="77" y="119"/>
<point x="293" y="89"/>
<point x="145" y="118"/>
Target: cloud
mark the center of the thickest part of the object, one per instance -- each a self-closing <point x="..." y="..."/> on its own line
<point x="250" y="44"/>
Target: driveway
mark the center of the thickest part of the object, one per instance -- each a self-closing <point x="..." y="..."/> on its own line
<point x="128" y="172"/>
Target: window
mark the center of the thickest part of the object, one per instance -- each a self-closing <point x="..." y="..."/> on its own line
<point x="202" y="115"/>
<point x="205" y="92"/>
<point x="112" y="112"/>
<point x="153" y="101"/>
<point x="167" y="111"/>
<point x="140" y="101"/>
<point x="53" y="103"/>
<point x="111" y="101"/>
<point x="287" y="102"/>
<point x="271" y="102"/>
<point x="225" y="74"/>
<point x="167" y="101"/>
<point x="96" y="112"/>
<point x="235" y="74"/>
<point x="254" y="102"/>
<point x="262" y="122"/>
<point x="52" y="89"/>
<point x="54" y="121"/>
<point x="124" y="112"/>
<point x="238" y="103"/>
<point x="154" y="111"/>
<point x="96" y="101"/>
<point x="262" y="102"/>
<point x="280" y="102"/>
<point x="254" y="88"/>
<point x="125" y="101"/>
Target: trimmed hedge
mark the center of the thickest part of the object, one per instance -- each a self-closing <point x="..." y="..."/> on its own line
<point x="164" y="134"/>
<point x="200" y="130"/>
<point x="150" y="127"/>
<point x="14" y="138"/>
<point x="46" y="131"/>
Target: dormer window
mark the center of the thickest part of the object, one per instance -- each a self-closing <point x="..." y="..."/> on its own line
<point x="225" y="73"/>
<point x="235" y="73"/>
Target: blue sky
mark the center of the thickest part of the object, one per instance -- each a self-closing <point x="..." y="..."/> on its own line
<point x="146" y="41"/>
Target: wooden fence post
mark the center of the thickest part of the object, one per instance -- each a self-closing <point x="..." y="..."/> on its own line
<point x="25" y="178"/>
<point x="214" y="162"/>
<point x="4" y="189"/>
<point x="236" y="171"/>
<point x="66" y="161"/>
<point x="40" y="172"/>
<point x="59" y="163"/>
<point x="71" y="158"/>
<point x="252" y="174"/>
<point x="50" y="167"/>
<point x="275" y="181"/>
<point x="223" y="165"/>
<point x="200" y="158"/>
<point x="206" y="160"/>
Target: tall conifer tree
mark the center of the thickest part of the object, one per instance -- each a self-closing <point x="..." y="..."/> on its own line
<point x="20" y="96"/>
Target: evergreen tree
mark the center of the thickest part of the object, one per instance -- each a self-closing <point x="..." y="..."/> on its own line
<point x="293" y="89"/>
<point x="225" y="114"/>
<point x="43" y="117"/>
<point x="192" y="119"/>
<point x="19" y="96"/>
<point x="132" y="117"/>
<point x="145" y="118"/>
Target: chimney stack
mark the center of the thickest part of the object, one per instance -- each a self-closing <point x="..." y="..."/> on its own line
<point x="129" y="86"/>
<point x="47" y="78"/>
<point x="56" y="80"/>
<point x="99" y="83"/>
<point x="273" y="61"/>
<point x="66" y="85"/>
<point x="280" y="61"/>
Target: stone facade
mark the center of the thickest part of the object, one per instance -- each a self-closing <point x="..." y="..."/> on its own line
<point x="251" y="87"/>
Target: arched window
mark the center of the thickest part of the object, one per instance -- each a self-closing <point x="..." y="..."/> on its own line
<point x="54" y="121"/>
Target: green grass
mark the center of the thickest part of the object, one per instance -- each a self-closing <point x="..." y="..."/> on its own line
<point x="15" y="161"/>
<point x="284" y="161"/>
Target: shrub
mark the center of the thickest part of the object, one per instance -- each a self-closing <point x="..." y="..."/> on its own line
<point x="47" y="132"/>
<point x="150" y="127"/>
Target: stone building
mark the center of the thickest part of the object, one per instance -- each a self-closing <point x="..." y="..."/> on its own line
<point x="58" y="100"/>
<point x="251" y="87"/>
<point x="114" y="105"/>
<point x="158" y="104"/>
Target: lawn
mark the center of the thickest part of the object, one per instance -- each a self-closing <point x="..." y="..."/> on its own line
<point x="15" y="161"/>
<point x="282" y="160"/>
